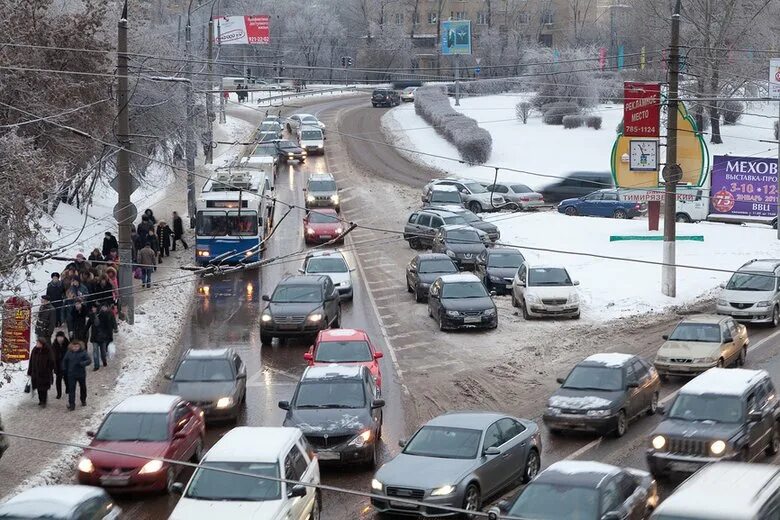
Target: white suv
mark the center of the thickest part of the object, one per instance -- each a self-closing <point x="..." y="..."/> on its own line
<point x="545" y="290"/>
<point x="474" y="195"/>
<point x="752" y="294"/>
<point x="278" y="453"/>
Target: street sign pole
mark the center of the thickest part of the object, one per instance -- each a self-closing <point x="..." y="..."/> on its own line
<point x="457" y="81"/>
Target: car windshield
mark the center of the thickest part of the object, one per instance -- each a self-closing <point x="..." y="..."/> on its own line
<point x="556" y="502"/>
<point x="445" y="196"/>
<point x="221" y="223"/>
<point x="313" y="135"/>
<point x="698" y="407"/>
<point x="309" y="293"/>
<point x="594" y="378"/>
<point x="142" y="427"/>
<point x="751" y="282"/>
<point x="705" y="332"/>
<point x="270" y="127"/>
<point x="463" y="290"/>
<point x="476" y="187"/>
<point x="327" y="394"/>
<point x="286" y="145"/>
<point x="326" y="265"/>
<point x="521" y="188"/>
<point x="322" y="186"/>
<point x="463" y="236"/>
<point x="445" y="443"/>
<point x="204" y="370"/>
<point x="315" y="217"/>
<point x="455" y="219"/>
<point x="437" y="266"/>
<point x="310" y="120"/>
<point x="220" y="486"/>
<point x="265" y="149"/>
<point x="540" y="276"/>
<point x="356" y="351"/>
<point x="505" y="260"/>
<point x="268" y="136"/>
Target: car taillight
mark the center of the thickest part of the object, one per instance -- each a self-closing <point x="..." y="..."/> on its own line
<point x="523" y="197"/>
<point x="637" y="206"/>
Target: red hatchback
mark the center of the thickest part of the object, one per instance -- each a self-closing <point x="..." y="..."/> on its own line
<point x="153" y="426"/>
<point x="345" y="347"/>
<point x="322" y="225"/>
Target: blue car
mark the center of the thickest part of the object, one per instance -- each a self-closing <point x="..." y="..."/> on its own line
<point x="602" y="203"/>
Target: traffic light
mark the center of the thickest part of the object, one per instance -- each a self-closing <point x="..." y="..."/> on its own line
<point x="349" y="61"/>
<point x="281" y="66"/>
<point x="343" y="61"/>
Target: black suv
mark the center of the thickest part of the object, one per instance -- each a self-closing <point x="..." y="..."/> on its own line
<point x="458" y="301"/>
<point x="722" y="414"/>
<point x="213" y="380"/>
<point x="339" y="412"/>
<point x="497" y="266"/>
<point x="385" y="97"/>
<point x="300" y="306"/>
<point x="461" y="243"/>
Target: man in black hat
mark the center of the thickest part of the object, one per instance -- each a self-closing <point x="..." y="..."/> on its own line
<point x="109" y="243"/>
<point x="55" y="291"/>
<point x="47" y="318"/>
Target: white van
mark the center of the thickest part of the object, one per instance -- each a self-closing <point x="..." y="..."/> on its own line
<point x="311" y="139"/>
<point x="725" y="491"/>
<point x="278" y="453"/>
<point x="693" y="205"/>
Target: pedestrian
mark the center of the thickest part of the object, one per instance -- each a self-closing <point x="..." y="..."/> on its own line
<point x="74" y="365"/>
<point x="3" y="440"/>
<point x="151" y="239"/>
<point x="113" y="279"/>
<point x="143" y="227"/>
<point x="47" y="319"/>
<point x="138" y="244"/>
<point x="41" y="369"/>
<point x="109" y="243"/>
<point x="101" y="324"/>
<point x="55" y="290"/>
<point x="147" y="259"/>
<point x="164" y="240"/>
<point x="104" y="292"/>
<point x="95" y="257"/>
<point x="178" y="231"/>
<point x="150" y="216"/>
<point x="81" y="264"/>
<point x="77" y="320"/>
<point x="60" y="348"/>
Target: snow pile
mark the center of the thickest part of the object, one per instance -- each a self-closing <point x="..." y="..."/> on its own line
<point x="579" y="403"/>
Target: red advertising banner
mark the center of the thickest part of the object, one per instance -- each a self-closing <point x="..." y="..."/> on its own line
<point x="243" y="30"/>
<point x="641" y="109"/>
<point x="15" y="340"/>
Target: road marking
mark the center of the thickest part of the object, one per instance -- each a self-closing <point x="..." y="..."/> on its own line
<point x="592" y="444"/>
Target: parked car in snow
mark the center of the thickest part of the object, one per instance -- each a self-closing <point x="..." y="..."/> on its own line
<point x="473" y="194"/>
<point x="443" y="195"/>
<point x="602" y="203"/>
<point x="61" y="503"/>
<point x="463" y="244"/>
<point x="458" y="301"/>
<point x="424" y="269"/>
<point x="497" y="266"/>
<point x="602" y="393"/>
<point x="464" y="216"/>
<point x="545" y="290"/>
<point x="421" y="226"/>
<point x="752" y="294"/>
<point x="523" y="197"/>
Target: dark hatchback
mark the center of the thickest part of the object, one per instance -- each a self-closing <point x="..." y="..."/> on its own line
<point x="300" y="306"/>
<point x="584" y="490"/>
<point x="497" y="266"/>
<point x="338" y="410"/>
<point x="465" y="216"/>
<point x="385" y="97"/>
<point x="459" y="301"/>
<point x="214" y="380"/>
<point x="289" y="151"/>
<point x="463" y="244"/>
<point x="423" y="270"/>
<point x="602" y="394"/>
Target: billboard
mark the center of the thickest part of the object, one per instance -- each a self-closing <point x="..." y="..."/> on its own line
<point x="641" y="109"/>
<point x="455" y="37"/>
<point x="243" y="30"/>
<point x="15" y="345"/>
<point x="744" y="186"/>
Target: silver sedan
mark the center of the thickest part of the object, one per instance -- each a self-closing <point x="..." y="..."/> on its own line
<point x="456" y="460"/>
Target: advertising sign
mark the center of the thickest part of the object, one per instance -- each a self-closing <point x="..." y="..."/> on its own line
<point x="745" y="186"/>
<point x="243" y="30"/>
<point x="15" y="346"/>
<point x="456" y="37"/>
<point x="774" y="78"/>
<point x="641" y="109"/>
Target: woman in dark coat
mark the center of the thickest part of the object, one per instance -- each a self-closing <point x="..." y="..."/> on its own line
<point x="41" y="370"/>
<point x="60" y="347"/>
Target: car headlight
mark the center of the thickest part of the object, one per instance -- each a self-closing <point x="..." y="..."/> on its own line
<point x="315" y="316"/>
<point x="598" y="413"/>
<point x="532" y="298"/>
<point x="303" y="152"/>
<point x="320" y="146"/>
<point x="334" y="199"/>
<point x="361" y="440"/>
<point x="450" y="253"/>
<point x="718" y="447"/>
<point x="553" y="410"/>
<point x="266" y="317"/>
<point x="494" y="278"/>
<point x="489" y="312"/>
<point x="658" y="442"/>
<point x="339" y="230"/>
<point x="224" y="402"/>
<point x="290" y="155"/>
<point x="574" y="298"/>
<point x="309" y="231"/>
<point x="376" y="485"/>
<point x="443" y="491"/>
<point x="86" y="466"/>
<point x="310" y="198"/>
<point x="203" y="253"/>
<point x="153" y="466"/>
<point x="722" y="302"/>
<point x="453" y="313"/>
<point x="763" y="304"/>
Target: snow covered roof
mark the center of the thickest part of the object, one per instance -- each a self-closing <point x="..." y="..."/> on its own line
<point x="148" y="403"/>
<point x="763" y="265"/>
<point x="333" y="370"/>
<point x="705" y="318"/>
<point x="66" y="496"/>
<point x="443" y="187"/>
<point x="575" y="467"/>
<point x="723" y="491"/>
<point x="255" y="444"/>
<point x="460" y="277"/>
<point x="304" y="116"/>
<point x="208" y="353"/>
<point x="726" y="381"/>
<point x="611" y="359"/>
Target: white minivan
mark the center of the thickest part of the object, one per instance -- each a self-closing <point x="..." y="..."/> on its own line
<point x="276" y="453"/>
<point x="311" y="139"/>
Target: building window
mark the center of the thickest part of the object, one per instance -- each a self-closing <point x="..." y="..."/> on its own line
<point x="546" y="40"/>
<point x="523" y="18"/>
<point x="416" y="18"/>
<point x="547" y="17"/>
<point x="483" y="18"/>
<point x="458" y="15"/>
<point x="432" y="19"/>
<point x="399" y="18"/>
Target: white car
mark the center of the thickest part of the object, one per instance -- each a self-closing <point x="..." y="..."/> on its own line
<point x="311" y="139"/>
<point x="752" y="294"/>
<point x="474" y="195"/>
<point x="407" y="94"/>
<point x="297" y="121"/>
<point x="333" y="264"/>
<point x="278" y="453"/>
<point x="61" y="503"/>
<point x="545" y="290"/>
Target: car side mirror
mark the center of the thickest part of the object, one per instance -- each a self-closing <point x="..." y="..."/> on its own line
<point x="401" y="443"/>
<point x="728" y="339"/>
<point x="560" y="380"/>
<point x="241" y="375"/>
<point x="755" y="416"/>
<point x="168" y="376"/>
<point x="284" y="405"/>
<point x="665" y="337"/>
<point x="520" y="283"/>
<point x="266" y="298"/>
<point x="308" y="357"/>
<point x="661" y="409"/>
<point x="491" y="451"/>
<point x="722" y="285"/>
<point x="377" y="403"/>
<point x="378" y="355"/>
<point x="632" y="384"/>
<point x="575" y="282"/>
<point x="324" y="138"/>
<point x="493" y="293"/>
<point x="177" y="488"/>
<point x="304" y="189"/>
<point x="301" y="270"/>
<point x="90" y="433"/>
<point x="297" y="491"/>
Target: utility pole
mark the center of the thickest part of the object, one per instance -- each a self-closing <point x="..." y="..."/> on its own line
<point x="210" y="95"/>
<point x="222" y="117"/>
<point x="672" y="173"/>
<point x="124" y="213"/>
<point x="457" y="81"/>
<point x="190" y="149"/>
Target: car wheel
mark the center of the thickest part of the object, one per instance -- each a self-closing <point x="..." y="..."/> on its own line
<point x="409" y="286"/>
<point x="742" y="357"/>
<point x="374" y="104"/>
<point x="337" y="321"/>
<point x="532" y="464"/>
<point x="418" y="297"/>
<point x="315" y="509"/>
<point x="170" y="480"/>
<point x="526" y="316"/>
<point x="576" y="316"/>
<point x="774" y="442"/>
<point x="471" y="501"/>
<point x="664" y="378"/>
<point x="372" y="462"/>
<point x="554" y="432"/>
<point x="430" y="314"/>
<point x="619" y="213"/>
<point x="775" y="317"/>
<point x="571" y="211"/>
<point x="475" y="207"/>
<point x="683" y="217"/>
<point x="441" y="324"/>
<point x="721" y="363"/>
<point x="515" y="303"/>
<point x="266" y="339"/>
<point x="197" y="453"/>
<point x="622" y="424"/>
<point x="653" y="404"/>
<point x="414" y="243"/>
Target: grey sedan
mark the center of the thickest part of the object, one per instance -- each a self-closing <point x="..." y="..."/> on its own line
<point x="457" y="460"/>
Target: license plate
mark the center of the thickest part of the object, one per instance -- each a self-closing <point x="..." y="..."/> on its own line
<point x="288" y="327"/>
<point x="687" y="467"/>
<point x="509" y="286"/>
<point x="472" y="319"/>
<point x="328" y="455"/>
<point x="113" y="480"/>
<point x="326" y="237"/>
<point x="402" y="505"/>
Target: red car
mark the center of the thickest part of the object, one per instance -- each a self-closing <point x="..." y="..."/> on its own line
<point x="322" y="225"/>
<point x="153" y="426"/>
<point x="345" y="347"/>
